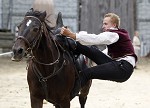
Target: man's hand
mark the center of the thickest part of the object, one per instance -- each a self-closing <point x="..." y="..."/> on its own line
<point x="67" y="32"/>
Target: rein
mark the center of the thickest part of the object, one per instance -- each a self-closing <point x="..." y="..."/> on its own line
<point x="55" y="62"/>
<point x="42" y="80"/>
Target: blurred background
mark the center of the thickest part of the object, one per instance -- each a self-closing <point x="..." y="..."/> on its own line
<point x="81" y="15"/>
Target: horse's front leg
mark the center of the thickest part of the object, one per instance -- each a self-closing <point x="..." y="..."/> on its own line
<point x="64" y="103"/>
<point x="36" y="103"/>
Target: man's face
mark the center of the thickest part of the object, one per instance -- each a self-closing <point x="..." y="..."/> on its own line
<point x="107" y="24"/>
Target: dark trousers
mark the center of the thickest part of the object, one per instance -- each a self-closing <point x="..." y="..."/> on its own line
<point x="106" y="69"/>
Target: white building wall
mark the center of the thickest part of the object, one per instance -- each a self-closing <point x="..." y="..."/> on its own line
<point x="20" y="7"/>
<point x="69" y="9"/>
<point x="143" y="23"/>
<point x="0" y="13"/>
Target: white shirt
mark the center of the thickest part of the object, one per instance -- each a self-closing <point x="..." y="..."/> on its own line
<point x="104" y="38"/>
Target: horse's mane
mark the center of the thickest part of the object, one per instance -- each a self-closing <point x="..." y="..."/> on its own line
<point x="33" y="12"/>
<point x="37" y="14"/>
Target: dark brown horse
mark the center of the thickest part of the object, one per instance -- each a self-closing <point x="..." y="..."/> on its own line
<point x="51" y="70"/>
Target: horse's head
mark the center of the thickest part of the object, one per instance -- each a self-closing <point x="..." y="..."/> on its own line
<point x="29" y="34"/>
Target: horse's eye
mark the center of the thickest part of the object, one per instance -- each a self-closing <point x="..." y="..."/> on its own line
<point x="36" y="29"/>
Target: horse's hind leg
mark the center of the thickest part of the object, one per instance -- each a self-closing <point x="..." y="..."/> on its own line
<point x="83" y="94"/>
<point x="82" y="100"/>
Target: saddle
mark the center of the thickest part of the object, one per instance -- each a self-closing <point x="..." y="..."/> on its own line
<point x="70" y="45"/>
<point x="78" y="59"/>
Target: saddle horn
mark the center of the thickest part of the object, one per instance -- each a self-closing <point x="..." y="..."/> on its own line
<point x="59" y="23"/>
<point x="59" y="20"/>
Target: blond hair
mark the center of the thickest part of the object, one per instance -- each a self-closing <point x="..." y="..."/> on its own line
<point x="115" y="19"/>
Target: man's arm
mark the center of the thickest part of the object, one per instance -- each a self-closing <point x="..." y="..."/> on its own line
<point x="68" y="33"/>
<point x="105" y="38"/>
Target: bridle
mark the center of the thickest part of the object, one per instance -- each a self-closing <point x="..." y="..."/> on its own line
<point x="30" y="48"/>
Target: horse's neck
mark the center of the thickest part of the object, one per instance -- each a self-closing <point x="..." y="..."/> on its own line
<point x="46" y="51"/>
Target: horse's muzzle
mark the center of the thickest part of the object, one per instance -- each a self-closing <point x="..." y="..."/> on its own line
<point x="18" y="54"/>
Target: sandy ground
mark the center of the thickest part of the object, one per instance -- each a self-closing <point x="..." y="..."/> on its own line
<point x="134" y="93"/>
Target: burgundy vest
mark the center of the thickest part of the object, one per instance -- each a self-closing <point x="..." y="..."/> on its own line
<point x="122" y="47"/>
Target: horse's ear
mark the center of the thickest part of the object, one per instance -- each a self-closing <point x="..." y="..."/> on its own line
<point x="59" y="21"/>
<point x="31" y="10"/>
<point x="42" y="16"/>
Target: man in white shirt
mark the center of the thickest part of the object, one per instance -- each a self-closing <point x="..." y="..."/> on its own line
<point x="119" y="65"/>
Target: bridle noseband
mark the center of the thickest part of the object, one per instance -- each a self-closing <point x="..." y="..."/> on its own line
<point x="29" y="45"/>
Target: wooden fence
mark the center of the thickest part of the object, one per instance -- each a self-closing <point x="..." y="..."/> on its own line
<point x="6" y="40"/>
<point x="92" y="12"/>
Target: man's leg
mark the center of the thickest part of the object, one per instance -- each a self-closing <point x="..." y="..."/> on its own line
<point x="93" y="53"/>
<point x="118" y="71"/>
